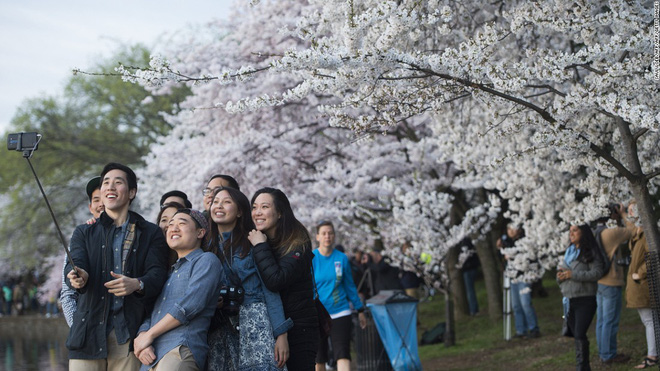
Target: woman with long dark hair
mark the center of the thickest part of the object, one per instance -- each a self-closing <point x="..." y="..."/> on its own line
<point x="262" y="339"/>
<point x="283" y="254"/>
<point x="578" y="275"/>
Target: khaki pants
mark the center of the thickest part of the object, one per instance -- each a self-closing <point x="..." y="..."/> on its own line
<point x="119" y="359"/>
<point x="179" y="358"/>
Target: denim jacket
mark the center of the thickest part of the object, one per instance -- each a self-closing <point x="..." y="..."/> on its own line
<point x="256" y="291"/>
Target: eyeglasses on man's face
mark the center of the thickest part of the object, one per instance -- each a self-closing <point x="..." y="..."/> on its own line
<point x="209" y="191"/>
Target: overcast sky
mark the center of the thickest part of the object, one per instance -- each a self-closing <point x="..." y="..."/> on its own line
<point x="42" y="41"/>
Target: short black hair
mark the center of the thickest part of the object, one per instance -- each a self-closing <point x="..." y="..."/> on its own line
<point x="176" y="193"/>
<point x="230" y="179"/>
<point x="130" y="175"/>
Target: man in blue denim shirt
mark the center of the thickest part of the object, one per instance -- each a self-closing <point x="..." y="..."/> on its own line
<point x="175" y="335"/>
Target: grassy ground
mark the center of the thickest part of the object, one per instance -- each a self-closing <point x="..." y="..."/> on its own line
<point x="480" y="343"/>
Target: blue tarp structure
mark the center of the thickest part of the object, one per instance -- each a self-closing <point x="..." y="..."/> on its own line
<point x="395" y="315"/>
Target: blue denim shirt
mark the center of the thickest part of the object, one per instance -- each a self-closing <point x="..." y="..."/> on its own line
<point x="116" y="320"/>
<point x="256" y="291"/>
<point x="190" y="295"/>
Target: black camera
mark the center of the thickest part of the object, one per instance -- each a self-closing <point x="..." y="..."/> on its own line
<point x="23" y="141"/>
<point x="232" y="298"/>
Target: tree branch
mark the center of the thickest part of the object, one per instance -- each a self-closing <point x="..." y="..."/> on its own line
<point x="623" y="171"/>
<point x="586" y="66"/>
<point x="639" y="133"/>
<point x="652" y="175"/>
<point x="546" y="86"/>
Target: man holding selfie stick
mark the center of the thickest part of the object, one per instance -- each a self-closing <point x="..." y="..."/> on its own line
<point x="121" y="264"/>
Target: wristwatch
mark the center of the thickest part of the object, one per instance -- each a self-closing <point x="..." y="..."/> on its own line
<point x="141" y="289"/>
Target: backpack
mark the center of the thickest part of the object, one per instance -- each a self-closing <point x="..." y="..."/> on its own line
<point x="601" y="253"/>
<point x="434" y="335"/>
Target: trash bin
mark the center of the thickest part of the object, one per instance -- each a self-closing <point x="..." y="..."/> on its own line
<point x="370" y="353"/>
<point x="395" y="316"/>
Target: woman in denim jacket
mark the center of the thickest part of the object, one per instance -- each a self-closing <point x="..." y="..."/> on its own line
<point x="262" y="338"/>
<point x="578" y="274"/>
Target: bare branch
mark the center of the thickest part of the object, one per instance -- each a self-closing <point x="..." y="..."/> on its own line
<point x="623" y="171"/>
<point x="639" y="133"/>
<point x="546" y="86"/>
<point x="652" y="175"/>
<point x="586" y="66"/>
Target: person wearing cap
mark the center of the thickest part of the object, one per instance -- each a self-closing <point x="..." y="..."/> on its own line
<point x="175" y="196"/>
<point x="69" y="297"/>
<point x="120" y="268"/>
<point x="174" y="337"/>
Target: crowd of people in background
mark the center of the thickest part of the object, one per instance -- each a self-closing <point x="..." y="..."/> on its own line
<point x="18" y="297"/>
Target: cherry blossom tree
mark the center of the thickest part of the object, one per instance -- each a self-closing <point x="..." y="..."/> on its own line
<point x="387" y="187"/>
<point x="549" y="105"/>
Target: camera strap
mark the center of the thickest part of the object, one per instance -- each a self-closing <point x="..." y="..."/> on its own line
<point x="233" y="276"/>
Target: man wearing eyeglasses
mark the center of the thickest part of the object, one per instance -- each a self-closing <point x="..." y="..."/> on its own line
<point x="216" y="181"/>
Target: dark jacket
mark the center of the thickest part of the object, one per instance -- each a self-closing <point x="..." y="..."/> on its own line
<point x="386" y="277"/>
<point x="91" y="250"/>
<point x="291" y="276"/>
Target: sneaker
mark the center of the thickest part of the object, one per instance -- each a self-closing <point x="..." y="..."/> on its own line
<point x="535" y="334"/>
<point x="618" y="358"/>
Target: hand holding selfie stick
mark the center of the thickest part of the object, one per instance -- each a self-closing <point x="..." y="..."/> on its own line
<point x="27" y="143"/>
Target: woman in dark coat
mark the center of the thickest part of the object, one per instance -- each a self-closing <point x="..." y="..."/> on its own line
<point x="283" y="254"/>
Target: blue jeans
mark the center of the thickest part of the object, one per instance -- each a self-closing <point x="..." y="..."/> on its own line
<point x="607" y="319"/>
<point x="523" y="311"/>
<point x="468" y="280"/>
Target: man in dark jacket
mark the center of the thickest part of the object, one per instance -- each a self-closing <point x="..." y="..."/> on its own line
<point x="385" y="276"/>
<point x="120" y="268"/>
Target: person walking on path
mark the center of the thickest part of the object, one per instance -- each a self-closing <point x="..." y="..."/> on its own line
<point x="335" y="287"/>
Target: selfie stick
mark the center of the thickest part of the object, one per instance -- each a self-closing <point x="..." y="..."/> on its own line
<point x="27" y="154"/>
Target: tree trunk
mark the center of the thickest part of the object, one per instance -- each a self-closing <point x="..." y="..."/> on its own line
<point x="457" y="287"/>
<point x="491" y="266"/>
<point x="639" y="185"/>
<point x="450" y="335"/>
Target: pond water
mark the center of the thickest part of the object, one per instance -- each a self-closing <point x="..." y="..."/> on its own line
<point x="22" y="354"/>
<point x="33" y="343"/>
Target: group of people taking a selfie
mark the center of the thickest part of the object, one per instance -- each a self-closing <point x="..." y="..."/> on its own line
<point x="230" y="287"/>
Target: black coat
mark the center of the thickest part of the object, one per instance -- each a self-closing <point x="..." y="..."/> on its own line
<point x="386" y="277"/>
<point x="291" y="276"/>
<point x="91" y="250"/>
